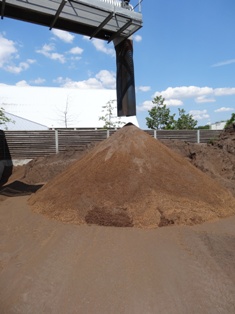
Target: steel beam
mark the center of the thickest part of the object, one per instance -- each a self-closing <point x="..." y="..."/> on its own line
<point x="58" y="13"/>
<point x="3" y="8"/>
<point x="120" y="31"/>
<point x="108" y="18"/>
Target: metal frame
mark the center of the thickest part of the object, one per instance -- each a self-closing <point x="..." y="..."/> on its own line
<point x="92" y="18"/>
<point x="108" y="18"/>
<point x="58" y="13"/>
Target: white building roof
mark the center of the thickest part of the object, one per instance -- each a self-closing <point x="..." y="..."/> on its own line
<point x="218" y="125"/>
<point x="18" y="123"/>
<point x="47" y="105"/>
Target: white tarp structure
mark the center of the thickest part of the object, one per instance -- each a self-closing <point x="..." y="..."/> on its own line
<point x="54" y="107"/>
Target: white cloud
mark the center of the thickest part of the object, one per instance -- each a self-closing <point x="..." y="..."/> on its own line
<point x="146" y="105"/>
<point x="57" y="57"/>
<point x="47" y="51"/>
<point x="91" y="83"/>
<point x="144" y="88"/>
<point x="101" y="45"/>
<point x="107" y="78"/>
<point x="47" y="48"/>
<point x="102" y="80"/>
<point x="63" y="35"/>
<point x="204" y="99"/>
<point x="7" y="51"/>
<point x="224" y="91"/>
<point x="60" y="80"/>
<point x="76" y="51"/>
<point x="199" y="114"/>
<point x="137" y="38"/>
<point x="174" y="96"/>
<point x="185" y="92"/>
<point x="224" y="109"/>
<point x="22" y="83"/>
<point x="38" y="81"/>
<point x="173" y="102"/>
<point x="22" y="66"/>
<point x="226" y="62"/>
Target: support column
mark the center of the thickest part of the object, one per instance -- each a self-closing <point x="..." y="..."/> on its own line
<point x="125" y="80"/>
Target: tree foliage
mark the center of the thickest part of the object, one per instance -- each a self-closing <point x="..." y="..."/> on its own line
<point x="3" y="118"/>
<point x="110" y="120"/>
<point x="159" y="115"/>
<point x="203" y="127"/>
<point x="185" y="121"/>
<point x="230" y="121"/>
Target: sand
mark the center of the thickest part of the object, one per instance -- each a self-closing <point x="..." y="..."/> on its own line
<point x="50" y="267"/>
<point x="130" y="179"/>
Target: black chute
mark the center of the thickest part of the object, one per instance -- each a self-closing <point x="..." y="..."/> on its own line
<point x="126" y="101"/>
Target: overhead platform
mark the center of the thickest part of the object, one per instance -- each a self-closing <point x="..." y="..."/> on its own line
<point x="103" y="19"/>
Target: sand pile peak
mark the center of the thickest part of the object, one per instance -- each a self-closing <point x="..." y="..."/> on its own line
<point x="131" y="179"/>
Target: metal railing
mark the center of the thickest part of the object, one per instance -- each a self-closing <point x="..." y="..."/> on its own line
<point x="123" y="4"/>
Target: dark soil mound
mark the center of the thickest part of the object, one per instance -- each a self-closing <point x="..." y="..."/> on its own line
<point x="43" y="169"/>
<point x="217" y="158"/>
<point x="117" y="217"/>
<point x="132" y="179"/>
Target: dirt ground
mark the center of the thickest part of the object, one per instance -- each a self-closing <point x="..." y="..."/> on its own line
<point x="47" y="266"/>
<point x="51" y="267"/>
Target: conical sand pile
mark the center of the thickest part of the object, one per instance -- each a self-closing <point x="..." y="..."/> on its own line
<point x="131" y="179"/>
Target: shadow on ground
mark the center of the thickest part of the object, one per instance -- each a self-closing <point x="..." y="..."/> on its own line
<point x="18" y="188"/>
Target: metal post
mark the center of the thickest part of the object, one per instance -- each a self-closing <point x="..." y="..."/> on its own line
<point x="198" y="136"/>
<point x="108" y="133"/>
<point x="155" y="134"/>
<point x="56" y="142"/>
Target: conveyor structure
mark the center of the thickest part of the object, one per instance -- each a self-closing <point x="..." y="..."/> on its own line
<point x="103" y="19"/>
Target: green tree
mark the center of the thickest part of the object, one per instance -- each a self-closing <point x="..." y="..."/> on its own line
<point x="203" y="127"/>
<point x="185" y="121"/>
<point x="3" y="118"/>
<point x="230" y="121"/>
<point x="159" y="115"/>
<point x="110" y="120"/>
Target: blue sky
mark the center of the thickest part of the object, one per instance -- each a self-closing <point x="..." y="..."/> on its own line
<point x="185" y="52"/>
